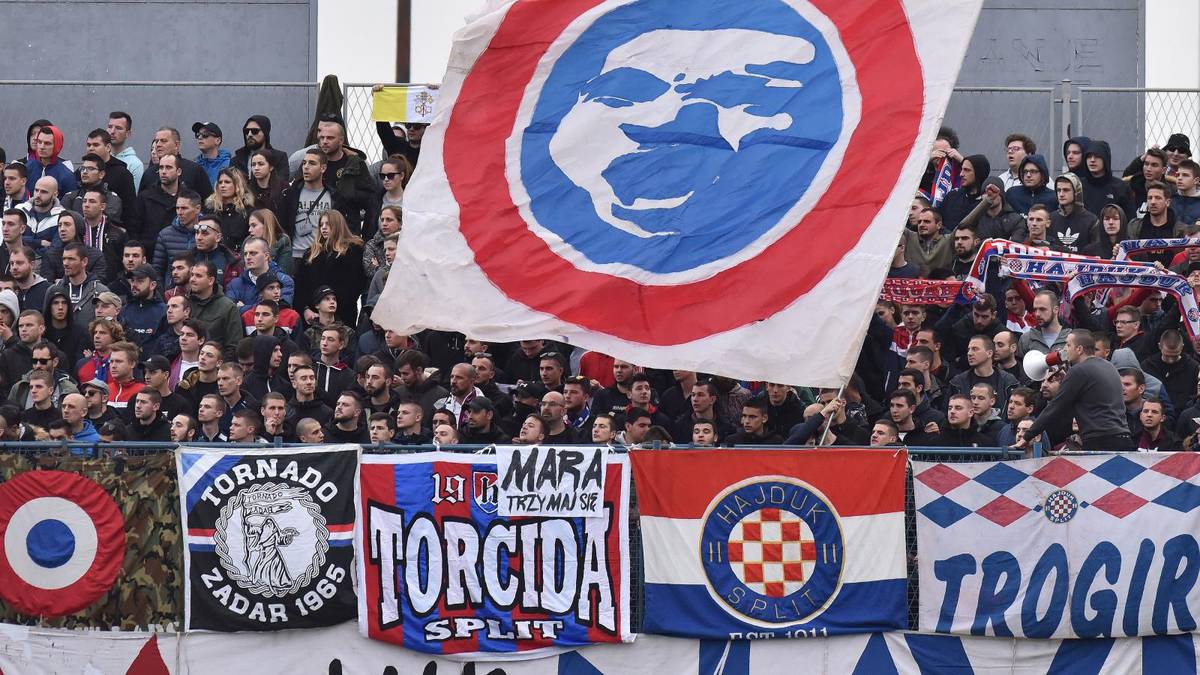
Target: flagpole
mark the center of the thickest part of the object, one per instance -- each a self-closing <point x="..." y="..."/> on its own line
<point x="829" y="422"/>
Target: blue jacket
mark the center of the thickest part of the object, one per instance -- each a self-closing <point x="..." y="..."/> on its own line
<point x="1187" y="209"/>
<point x="244" y="291"/>
<point x="58" y="170"/>
<point x="144" y="321"/>
<point x="86" y="435"/>
<point x="171" y="241"/>
<point x="1020" y="198"/>
<point x="213" y="166"/>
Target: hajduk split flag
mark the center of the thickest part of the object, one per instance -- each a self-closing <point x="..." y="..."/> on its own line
<point x="268" y="537"/>
<point x="441" y="571"/>
<point x="689" y="175"/>
<point x="772" y="543"/>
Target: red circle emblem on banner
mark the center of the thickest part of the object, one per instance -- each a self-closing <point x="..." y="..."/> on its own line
<point x="63" y="539"/>
<point x="888" y="75"/>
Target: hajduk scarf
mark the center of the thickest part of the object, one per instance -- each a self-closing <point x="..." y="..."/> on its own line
<point x="1162" y="281"/>
<point x="1132" y="246"/>
<point x="991" y="248"/>
<point x="1042" y="268"/>
<point x="927" y="292"/>
<point x="943" y="182"/>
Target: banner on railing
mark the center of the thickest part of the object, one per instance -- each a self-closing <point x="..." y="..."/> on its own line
<point x="89" y="543"/>
<point x="763" y="544"/>
<point x="441" y="571"/>
<point x="1078" y="547"/>
<point x="537" y="481"/>
<point x="269" y="536"/>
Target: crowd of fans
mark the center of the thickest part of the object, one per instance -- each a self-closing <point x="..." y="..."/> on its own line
<point x="228" y="297"/>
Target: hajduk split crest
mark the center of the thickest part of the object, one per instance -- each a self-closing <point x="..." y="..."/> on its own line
<point x="269" y="537"/>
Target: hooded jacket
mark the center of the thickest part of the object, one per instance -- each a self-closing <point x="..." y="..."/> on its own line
<point x="213" y="165"/>
<point x="144" y="320"/>
<point x="1103" y="243"/>
<point x="1187" y="209"/>
<point x="1021" y="197"/>
<point x="960" y="201"/>
<point x="1105" y="188"/>
<point x="57" y="169"/>
<point x="1083" y="142"/>
<point x="70" y="340"/>
<point x="1125" y="357"/>
<point x="221" y="317"/>
<point x="1008" y="224"/>
<point x="1072" y="231"/>
<point x="279" y="159"/>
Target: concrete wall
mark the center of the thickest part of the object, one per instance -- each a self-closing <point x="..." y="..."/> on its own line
<point x="1022" y="44"/>
<point x="160" y="40"/>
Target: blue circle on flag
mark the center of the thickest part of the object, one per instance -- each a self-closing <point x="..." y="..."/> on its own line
<point x="654" y="144"/>
<point x="50" y="543"/>
<point x="773" y="551"/>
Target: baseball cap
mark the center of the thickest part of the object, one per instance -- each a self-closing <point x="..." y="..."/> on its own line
<point x="531" y="389"/>
<point x="481" y="403"/>
<point x="321" y="292"/>
<point x="209" y="128"/>
<point x="110" y="298"/>
<point x="156" y="362"/>
<point x="1192" y="267"/>
<point x="144" y="271"/>
<point x="95" y="384"/>
<point x="265" y="280"/>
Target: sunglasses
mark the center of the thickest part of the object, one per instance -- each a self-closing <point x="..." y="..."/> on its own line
<point x="389" y="175"/>
<point x="201" y="137"/>
<point x="42" y="361"/>
<point x="251" y="132"/>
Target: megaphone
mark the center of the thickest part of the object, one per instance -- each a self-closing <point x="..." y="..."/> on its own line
<point x="1037" y="364"/>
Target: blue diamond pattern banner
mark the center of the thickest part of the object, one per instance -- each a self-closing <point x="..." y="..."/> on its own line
<point x="1065" y="547"/>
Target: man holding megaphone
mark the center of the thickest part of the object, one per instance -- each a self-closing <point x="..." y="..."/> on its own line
<point x="1090" y="393"/>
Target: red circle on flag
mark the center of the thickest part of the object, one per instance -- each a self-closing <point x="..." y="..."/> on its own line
<point x="28" y="592"/>
<point x="880" y="46"/>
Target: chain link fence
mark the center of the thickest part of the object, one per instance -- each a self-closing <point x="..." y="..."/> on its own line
<point x="360" y="128"/>
<point x="1107" y="112"/>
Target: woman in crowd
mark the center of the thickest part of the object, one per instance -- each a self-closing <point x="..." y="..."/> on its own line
<point x="389" y="224"/>
<point x="334" y="260"/>
<point x="70" y="228"/>
<point x="232" y="201"/>
<point x="266" y="185"/>
<point x="265" y="225"/>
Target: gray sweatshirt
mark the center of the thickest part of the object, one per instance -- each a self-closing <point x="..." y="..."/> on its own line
<point x="1091" y="393"/>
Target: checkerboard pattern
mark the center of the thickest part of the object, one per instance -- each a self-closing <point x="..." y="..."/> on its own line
<point x="1005" y="492"/>
<point x="772" y="551"/>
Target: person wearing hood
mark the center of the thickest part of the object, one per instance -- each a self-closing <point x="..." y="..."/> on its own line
<point x="1110" y="231"/>
<point x="960" y="201"/>
<point x="266" y="376"/>
<point x="212" y="309"/>
<point x="47" y="163"/>
<point x="992" y="217"/>
<point x="212" y="157"/>
<point x="1071" y="225"/>
<point x="1074" y="151"/>
<point x="1159" y="221"/>
<point x="1126" y="359"/>
<point x="1100" y="187"/>
<point x="1032" y="190"/>
<point x="60" y="329"/>
<point x="257" y="134"/>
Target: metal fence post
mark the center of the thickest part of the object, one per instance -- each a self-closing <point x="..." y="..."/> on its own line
<point x="1065" y="128"/>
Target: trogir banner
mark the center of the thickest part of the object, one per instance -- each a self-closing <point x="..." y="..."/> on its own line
<point x="269" y="536"/>
<point x="442" y="572"/>
<point x="1070" y="547"/>
<point x="689" y="175"/>
<point x="765" y="544"/>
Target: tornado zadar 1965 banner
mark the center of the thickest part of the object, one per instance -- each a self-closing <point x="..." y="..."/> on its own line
<point x="441" y="571"/>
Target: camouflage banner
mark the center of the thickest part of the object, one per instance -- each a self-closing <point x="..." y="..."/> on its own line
<point x="89" y="543"/>
<point x="270" y="536"/>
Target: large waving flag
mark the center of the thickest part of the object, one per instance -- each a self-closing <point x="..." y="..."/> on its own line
<point x="676" y="183"/>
